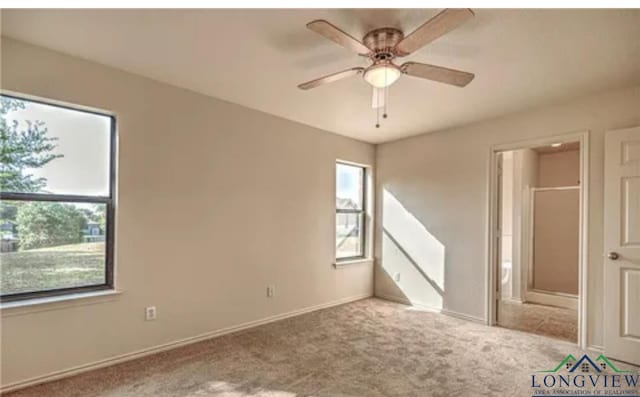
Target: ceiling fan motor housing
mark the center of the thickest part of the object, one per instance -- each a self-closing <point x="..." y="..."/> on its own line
<point x="382" y="43"/>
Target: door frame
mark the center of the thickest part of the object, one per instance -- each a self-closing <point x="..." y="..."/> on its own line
<point x="492" y="265"/>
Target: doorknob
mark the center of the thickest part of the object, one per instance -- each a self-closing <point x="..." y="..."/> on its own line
<point x="613" y="256"/>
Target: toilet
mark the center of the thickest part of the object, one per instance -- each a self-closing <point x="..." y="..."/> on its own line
<point x="506" y="279"/>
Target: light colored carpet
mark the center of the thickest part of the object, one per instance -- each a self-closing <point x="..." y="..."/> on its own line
<point x="555" y="322"/>
<point x="367" y="348"/>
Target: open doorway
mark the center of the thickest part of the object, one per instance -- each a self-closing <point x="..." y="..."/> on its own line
<point x="539" y="217"/>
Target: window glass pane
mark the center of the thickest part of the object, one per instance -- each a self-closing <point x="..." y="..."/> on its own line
<point x="349" y="235"/>
<point x="51" y="245"/>
<point x="49" y="149"/>
<point x="349" y="184"/>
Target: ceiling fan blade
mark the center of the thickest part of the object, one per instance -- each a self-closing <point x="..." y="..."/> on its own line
<point x="331" y="78"/>
<point x="435" y="27"/>
<point x="437" y="73"/>
<point x="336" y="35"/>
<point x="377" y="98"/>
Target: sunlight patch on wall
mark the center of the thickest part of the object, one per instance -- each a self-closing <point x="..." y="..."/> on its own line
<point x="412" y="257"/>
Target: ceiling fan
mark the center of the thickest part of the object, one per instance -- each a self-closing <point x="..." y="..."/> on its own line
<point x="383" y="45"/>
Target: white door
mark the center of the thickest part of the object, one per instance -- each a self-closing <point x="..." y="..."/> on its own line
<point x="622" y="245"/>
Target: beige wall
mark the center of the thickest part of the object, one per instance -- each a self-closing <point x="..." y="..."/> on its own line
<point x="253" y="197"/>
<point x="439" y="184"/>
<point x="556" y="227"/>
<point x="559" y="169"/>
<point x="557" y="223"/>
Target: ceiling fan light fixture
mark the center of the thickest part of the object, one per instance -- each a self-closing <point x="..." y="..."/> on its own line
<point x="382" y="75"/>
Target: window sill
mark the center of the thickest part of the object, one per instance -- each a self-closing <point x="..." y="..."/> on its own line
<point x="349" y="262"/>
<point x="35" y="305"/>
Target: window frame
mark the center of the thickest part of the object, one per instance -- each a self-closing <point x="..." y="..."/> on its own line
<point x="362" y="211"/>
<point x="108" y="201"/>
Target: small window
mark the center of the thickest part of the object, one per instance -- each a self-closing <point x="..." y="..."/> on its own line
<point x="56" y="199"/>
<point x="350" y="211"/>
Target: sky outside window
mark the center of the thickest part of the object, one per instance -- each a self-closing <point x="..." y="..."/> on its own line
<point x="349" y="183"/>
<point x="84" y="141"/>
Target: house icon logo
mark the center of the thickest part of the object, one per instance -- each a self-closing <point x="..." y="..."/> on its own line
<point x="585" y="365"/>
<point x="585" y="376"/>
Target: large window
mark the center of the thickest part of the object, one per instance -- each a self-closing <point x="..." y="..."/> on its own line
<point x="350" y="211"/>
<point x="56" y="199"/>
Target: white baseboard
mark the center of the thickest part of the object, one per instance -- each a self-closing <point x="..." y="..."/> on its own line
<point x="464" y="316"/>
<point x="550" y="299"/>
<point x="171" y="345"/>
<point x="393" y="298"/>
<point x="422" y="306"/>
<point x="513" y="300"/>
<point x="596" y="348"/>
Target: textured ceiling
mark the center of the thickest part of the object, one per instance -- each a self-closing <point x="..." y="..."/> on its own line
<point x="521" y="58"/>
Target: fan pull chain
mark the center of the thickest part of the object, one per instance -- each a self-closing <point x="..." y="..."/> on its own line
<point x="386" y="100"/>
<point x="386" y="94"/>
<point x="377" y="109"/>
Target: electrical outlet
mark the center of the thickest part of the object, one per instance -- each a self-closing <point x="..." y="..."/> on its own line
<point x="150" y="313"/>
<point x="271" y="291"/>
<point x="397" y="277"/>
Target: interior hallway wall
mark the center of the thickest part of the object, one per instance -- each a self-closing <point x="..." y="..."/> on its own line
<point x="557" y="223"/>
<point x="556" y="247"/>
<point x="559" y="169"/>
